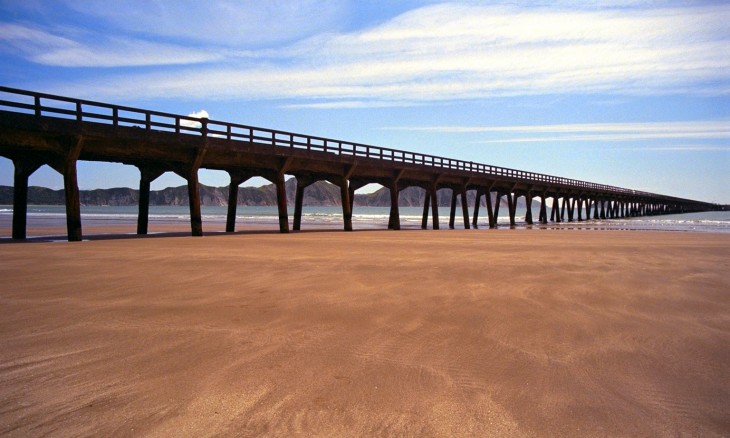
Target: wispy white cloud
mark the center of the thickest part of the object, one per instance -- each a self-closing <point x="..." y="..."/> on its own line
<point x="646" y="127"/>
<point x="349" y="104"/>
<point x="222" y="23"/>
<point x="44" y="47"/>
<point x="452" y="52"/>
<point x="610" y="132"/>
<point x="684" y="148"/>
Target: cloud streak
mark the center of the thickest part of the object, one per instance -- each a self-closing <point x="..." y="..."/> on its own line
<point x="606" y="132"/>
<point x="44" y="47"/>
<point x="444" y="52"/>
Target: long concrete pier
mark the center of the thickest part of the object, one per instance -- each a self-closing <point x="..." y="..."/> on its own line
<point x="38" y="129"/>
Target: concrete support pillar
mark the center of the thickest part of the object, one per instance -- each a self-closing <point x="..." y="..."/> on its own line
<point x="73" y="204"/>
<point x="562" y="210"/>
<point x="302" y="183"/>
<point x="196" y="218"/>
<point x="346" y="204"/>
<point x="580" y="209"/>
<point x="281" y="202"/>
<point x="603" y="209"/>
<point x="426" y="205"/>
<point x="452" y="212"/>
<point x="543" y="209"/>
<point x="351" y="192"/>
<point x="23" y="170"/>
<point x="434" y="207"/>
<point x="146" y="176"/>
<point x="572" y="202"/>
<point x="555" y="214"/>
<point x="66" y="166"/>
<point x="394" y="219"/>
<point x="495" y="210"/>
<point x="236" y="180"/>
<point x="512" y="207"/>
<point x="588" y="209"/>
<point x="528" y="206"/>
<point x="190" y="174"/>
<point x="477" y="202"/>
<point x="595" y="209"/>
<point x="465" y="209"/>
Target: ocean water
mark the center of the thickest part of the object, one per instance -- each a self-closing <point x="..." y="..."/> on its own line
<point x="363" y="218"/>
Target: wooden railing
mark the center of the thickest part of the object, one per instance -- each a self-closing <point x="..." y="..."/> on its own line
<point x="41" y="104"/>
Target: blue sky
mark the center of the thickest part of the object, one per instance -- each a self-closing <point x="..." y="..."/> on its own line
<point x="632" y="94"/>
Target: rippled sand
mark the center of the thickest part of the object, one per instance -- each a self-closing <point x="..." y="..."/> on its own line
<point x="489" y="333"/>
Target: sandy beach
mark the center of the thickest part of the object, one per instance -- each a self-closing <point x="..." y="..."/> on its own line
<point x="372" y="333"/>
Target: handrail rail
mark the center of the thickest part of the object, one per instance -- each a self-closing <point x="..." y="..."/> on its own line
<point x="120" y="115"/>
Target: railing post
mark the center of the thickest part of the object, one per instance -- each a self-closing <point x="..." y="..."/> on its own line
<point x="115" y="116"/>
<point x="78" y="112"/>
<point x="37" y="103"/>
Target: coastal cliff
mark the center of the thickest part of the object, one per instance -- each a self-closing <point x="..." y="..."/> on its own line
<point x="321" y="193"/>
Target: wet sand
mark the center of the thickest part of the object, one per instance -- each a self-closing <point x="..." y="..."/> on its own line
<point x="412" y="333"/>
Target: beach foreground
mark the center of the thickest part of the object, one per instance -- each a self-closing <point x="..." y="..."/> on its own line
<point x="449" y="333"/>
